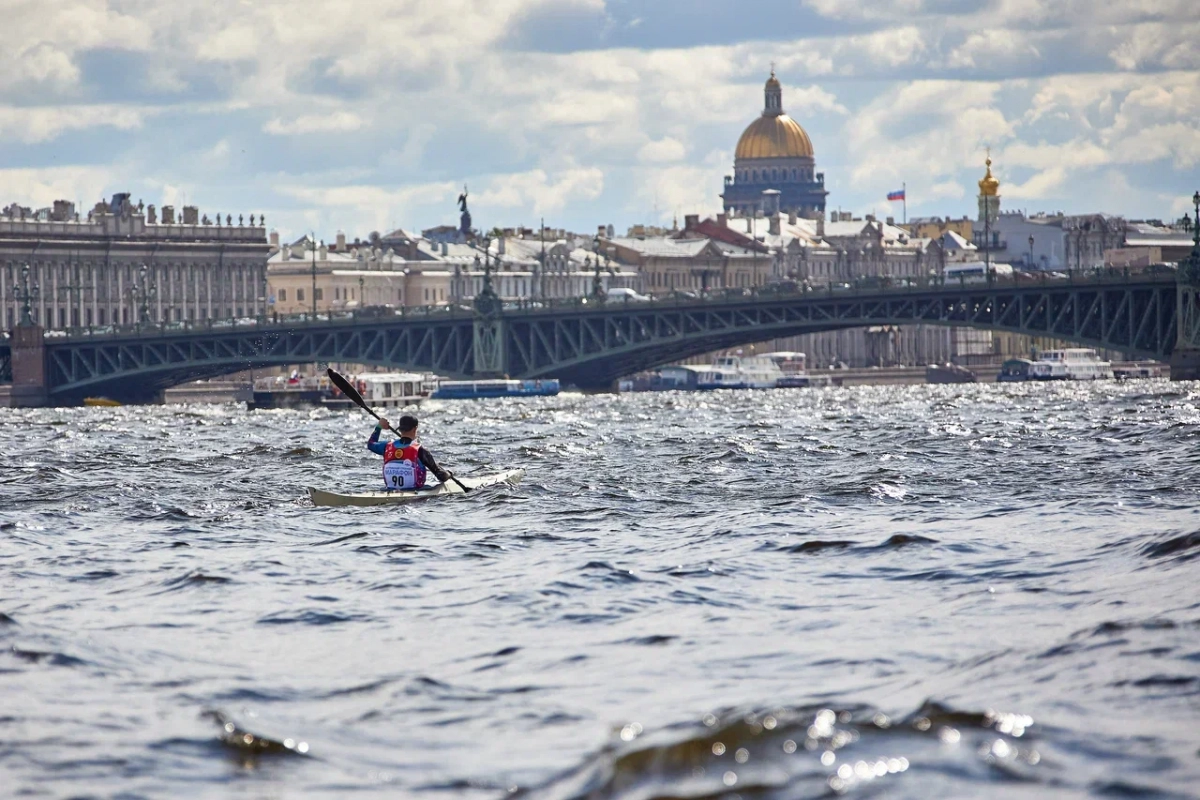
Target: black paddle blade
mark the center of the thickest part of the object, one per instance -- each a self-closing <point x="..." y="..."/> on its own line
<point x="348" y="389"/>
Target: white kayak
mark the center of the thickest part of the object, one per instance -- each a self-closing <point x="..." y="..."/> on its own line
<point x="320" y="497"/>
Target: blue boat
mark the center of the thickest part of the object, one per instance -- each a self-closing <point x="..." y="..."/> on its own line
<point x="473" y="390"/>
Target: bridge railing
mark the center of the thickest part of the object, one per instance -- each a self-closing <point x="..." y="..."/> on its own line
<point x="772" y="291"/>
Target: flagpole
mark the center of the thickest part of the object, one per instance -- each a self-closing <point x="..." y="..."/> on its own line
<point x="904" y="188"/>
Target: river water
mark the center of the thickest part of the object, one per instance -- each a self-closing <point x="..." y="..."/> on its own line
<point x="880" y="591"/>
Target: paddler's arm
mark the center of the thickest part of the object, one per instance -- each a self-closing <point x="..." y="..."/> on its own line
<point x="431" y="465"/>
<point x="373" y="444"/>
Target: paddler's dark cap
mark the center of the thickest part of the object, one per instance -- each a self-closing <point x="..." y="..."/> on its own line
<point x="406" y="423"/>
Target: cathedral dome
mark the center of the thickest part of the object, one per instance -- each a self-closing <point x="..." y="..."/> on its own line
<point x="774" y="134"/>
<point x="774" y="137"/>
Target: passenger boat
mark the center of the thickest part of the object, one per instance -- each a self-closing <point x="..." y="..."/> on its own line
<point x="472" y="390"/>
<point x="395" y="389"/>
<point x="740" y="372"/>
<point x="1071" y="364"/>
<point x="102" y="402"/>
<point x="379" y="389"/>
<point x="320" y="497"/>
<point x="673" y="377"/>
<point x="794" y="374"/>
<point x="1013" y="370"/>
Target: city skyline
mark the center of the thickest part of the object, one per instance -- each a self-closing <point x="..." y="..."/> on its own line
<point x="368" y="116"/>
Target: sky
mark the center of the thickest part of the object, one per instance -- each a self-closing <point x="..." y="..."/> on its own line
<point x="362" y="115"/>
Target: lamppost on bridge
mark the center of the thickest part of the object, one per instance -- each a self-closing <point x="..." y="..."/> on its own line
<point x="74" y="288"/>
<point x="143" y="294"/>
<point x="1031" y="251"/>
<point x="1191" y="267"/>
<point x="362" y="298"/>
<point x="314" y="275"/>
<point x="26" y="295"/>
<point x="597" y="284"/>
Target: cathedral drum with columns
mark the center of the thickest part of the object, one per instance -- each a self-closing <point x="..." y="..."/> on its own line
<point x="775" y="153"/>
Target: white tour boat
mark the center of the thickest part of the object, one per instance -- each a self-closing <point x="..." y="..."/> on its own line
<point x="394" y="389"/>
<point x="740" y="372"/>
<point x="1070" y="364"/>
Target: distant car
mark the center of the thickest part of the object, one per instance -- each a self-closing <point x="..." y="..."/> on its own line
<point x="627" y="295"/>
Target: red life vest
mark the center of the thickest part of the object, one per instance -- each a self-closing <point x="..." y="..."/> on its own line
<point x="402" y="467"/>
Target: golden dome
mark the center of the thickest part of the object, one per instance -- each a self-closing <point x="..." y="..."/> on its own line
<point x="774" y="134"/>
<point x="774" y="137"/>
<point x="989" y="186"/>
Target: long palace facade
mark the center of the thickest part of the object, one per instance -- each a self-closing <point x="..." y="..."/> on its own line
<point x="122" y="264"/>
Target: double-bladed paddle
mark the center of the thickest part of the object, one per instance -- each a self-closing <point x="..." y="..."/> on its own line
<point x="348" y="389"/>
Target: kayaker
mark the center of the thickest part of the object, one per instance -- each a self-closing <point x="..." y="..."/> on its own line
<point x="405" y="461"/>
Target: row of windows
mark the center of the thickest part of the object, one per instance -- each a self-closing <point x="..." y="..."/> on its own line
<point x="776" y="174"/>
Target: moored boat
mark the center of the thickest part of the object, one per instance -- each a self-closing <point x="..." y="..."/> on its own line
<point x="380" y="389"/>
<point x="949" y="373"/>
<point x="102" y="402"/>
<point x="740" y="372"/>
<point x="1069" y="364"/>
<point x="501" y="387"/>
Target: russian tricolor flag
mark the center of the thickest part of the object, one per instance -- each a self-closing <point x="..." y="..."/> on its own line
<point x="896" y="195"/>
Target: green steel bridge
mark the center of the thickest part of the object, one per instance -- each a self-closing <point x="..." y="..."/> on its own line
<point x="590" y="343"/>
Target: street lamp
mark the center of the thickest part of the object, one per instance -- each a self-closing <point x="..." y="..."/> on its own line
<point x="1031" y="251"/>
<point x="362" y="298"/>
<point x="26" y="295"/>
<point x="314" y="276"/>
<point x="143" y="295"/>
<point x="597" y="285"/>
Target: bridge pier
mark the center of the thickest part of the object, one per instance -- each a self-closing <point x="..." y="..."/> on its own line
<point x="28" y="368"/>
<point x="1185" y="365"/>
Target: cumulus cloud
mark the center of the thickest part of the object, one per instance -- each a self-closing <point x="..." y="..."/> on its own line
<point x="375" y="109"/>
<point x="333" y="122"/>
<point x="663" y="150"/>
<point x="42" y="123"/>
<point x="41" y="186"/>
<point x="542" y="193"/>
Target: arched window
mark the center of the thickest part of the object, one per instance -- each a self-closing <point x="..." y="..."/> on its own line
<point x="774" y="174"/>
<point x="793" y="175"/>
<point x="755" y="176"/>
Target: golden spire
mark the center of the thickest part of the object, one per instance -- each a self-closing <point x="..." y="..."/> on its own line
<point x="989" y="186"/>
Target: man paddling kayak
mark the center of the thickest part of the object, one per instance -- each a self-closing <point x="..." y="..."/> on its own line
<point x="405" y="461"/>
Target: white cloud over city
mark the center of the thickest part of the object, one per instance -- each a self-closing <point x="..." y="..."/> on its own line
<point x="360" y="115"/>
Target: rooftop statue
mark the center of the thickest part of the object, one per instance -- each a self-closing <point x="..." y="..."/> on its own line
<point x="464" y="221"/>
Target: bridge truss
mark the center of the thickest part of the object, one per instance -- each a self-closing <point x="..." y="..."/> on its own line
<point x="596" y="347"/>
<point x="592" y="345"/>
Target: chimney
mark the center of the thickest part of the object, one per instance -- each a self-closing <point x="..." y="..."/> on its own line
<point x="191" y="215"/>
<point x="341" y="242"/>
<point x="792" y="217"/>
<point x="323" y="252"/>
<point x="168" y="215"/>
<point x="891" y="220"/>
<point x="445" y="249"/>
<point x="286" y="250"/>
<point x="723" y="219"/>
<point x="691" y="221"/>
<point x="274" y="239"/>
<point x="773" y="224"/>
<point x="821" y="227"/>
<point x="500" y="246"/>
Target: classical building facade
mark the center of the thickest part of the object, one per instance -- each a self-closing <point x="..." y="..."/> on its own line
<point x="305" y="275"/>
<point x="122" y="264"/>
<point x="774" y="154"/>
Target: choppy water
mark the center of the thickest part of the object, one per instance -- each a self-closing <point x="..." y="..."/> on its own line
<point x="902" y="592"/>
